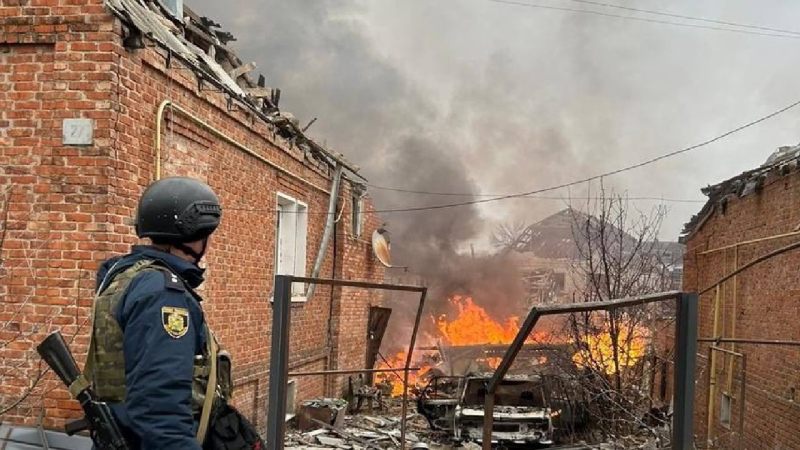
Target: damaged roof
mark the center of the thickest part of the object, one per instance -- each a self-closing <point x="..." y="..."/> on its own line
<point x="550" y="238"/>
<point x="783" y="161"/>
<point x="198" y="43"/>
<point x="554" y="237"/>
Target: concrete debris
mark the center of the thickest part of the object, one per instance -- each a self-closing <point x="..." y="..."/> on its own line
<point x="326" y="410"/>
<point x="321" y="430"/>
<point x="332" y="442"/>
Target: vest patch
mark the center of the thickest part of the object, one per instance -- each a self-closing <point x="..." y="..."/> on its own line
<point x="175" y="321"/>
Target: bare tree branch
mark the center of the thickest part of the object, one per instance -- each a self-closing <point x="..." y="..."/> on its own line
<point x="507" y="233"/>
<point x="29" y="320"/>
<point x="619" y="256"/>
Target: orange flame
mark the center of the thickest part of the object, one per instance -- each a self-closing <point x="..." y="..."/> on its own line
<point x="395" y="378"/>
<point x="632" y="346"/>
<point x="473" y="325"/>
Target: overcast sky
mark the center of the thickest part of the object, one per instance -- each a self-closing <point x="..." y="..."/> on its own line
<point x="485" y="97"/>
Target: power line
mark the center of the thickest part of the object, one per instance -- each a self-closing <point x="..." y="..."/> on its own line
<point x="560" y="186"/>
<point x="641" y="19"/>
<point x="681" y="16"/>
<point x="657" y="199"/>
<point x="603" y="175"/>
<point x="538" y="197"/>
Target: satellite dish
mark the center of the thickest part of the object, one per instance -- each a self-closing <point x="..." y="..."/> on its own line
<point x="381" y="246"/>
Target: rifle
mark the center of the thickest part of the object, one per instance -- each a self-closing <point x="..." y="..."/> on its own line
<point x="98" y="419"/>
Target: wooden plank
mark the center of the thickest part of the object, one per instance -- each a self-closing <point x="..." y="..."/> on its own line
<point x="243" y="69"/>
<point x="259" y="92"/>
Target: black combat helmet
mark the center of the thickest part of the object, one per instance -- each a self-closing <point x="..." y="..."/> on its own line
<point x="177" y="210"/>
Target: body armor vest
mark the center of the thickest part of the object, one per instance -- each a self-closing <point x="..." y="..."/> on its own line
<point x="105" y="362"/>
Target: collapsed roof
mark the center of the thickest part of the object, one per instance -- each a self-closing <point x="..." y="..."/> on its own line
<point x="783" y="161"/>
<point x="555" y="236"/>
<point x="198" y="43"/>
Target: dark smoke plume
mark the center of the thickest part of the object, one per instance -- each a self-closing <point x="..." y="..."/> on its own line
<point x="472" y="96"/>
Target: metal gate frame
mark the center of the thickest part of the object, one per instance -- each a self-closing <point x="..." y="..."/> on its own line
<point x="685" y="357"/>
<point x="279" y="356"/>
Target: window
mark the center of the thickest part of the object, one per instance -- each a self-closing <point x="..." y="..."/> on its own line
<point x="291" y="229"/>
<point x="357" y="205"/>
<point x="725" y="410"/>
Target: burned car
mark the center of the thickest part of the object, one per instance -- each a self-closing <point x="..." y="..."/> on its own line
<point x="438" y="401"/>
<point x="522" y="416"/>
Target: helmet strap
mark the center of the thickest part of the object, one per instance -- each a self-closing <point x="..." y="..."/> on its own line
<point x="189" y="251"/>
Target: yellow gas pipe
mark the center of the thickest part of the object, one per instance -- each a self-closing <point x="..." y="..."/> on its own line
<point x="712" y="384"/>
<point x="733" y="319"/>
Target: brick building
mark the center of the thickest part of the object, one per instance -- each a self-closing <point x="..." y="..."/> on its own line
<point x="83" y="86"/>
<point x="747" y="217"/>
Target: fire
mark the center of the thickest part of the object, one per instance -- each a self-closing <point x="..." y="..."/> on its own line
<point x="632" y="345"/>
<point x="395" y="378"/>
<point x="474" y="326"/>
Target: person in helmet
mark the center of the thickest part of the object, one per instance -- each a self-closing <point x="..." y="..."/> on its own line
<point x="150" y="351"/>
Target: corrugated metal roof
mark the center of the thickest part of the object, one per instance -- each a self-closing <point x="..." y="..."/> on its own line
<point x="158" y="27"/>
<point x="152" y="25"/>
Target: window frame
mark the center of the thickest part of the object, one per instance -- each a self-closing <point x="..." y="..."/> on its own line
<point x="286" y="204"/>
<point x="357" y="219"/>
<point x="725" y="408"/>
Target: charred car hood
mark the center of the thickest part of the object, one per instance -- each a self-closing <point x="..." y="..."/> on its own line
<point x="508" y="412"/>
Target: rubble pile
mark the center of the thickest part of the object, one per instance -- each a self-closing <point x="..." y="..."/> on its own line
<point x="323" y="424"/>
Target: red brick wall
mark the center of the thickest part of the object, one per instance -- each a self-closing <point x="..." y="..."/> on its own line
<point x="53" y="199"/>
<point x="75" y="208"/>
<point x="766" y="307"/>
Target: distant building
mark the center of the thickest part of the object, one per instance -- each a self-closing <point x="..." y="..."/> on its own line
<point x="548" y="258"/>
<point x="546" y="253"/>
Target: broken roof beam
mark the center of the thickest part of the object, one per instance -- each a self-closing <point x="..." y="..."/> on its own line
<point x="243" y="69"/>
<point x="225" y="37"/>
<point x="260" y="92"/>
<point x="200" y="34"/>
<point x="152" y="25"/>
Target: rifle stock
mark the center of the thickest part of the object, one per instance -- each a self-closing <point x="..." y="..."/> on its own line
<point x="98" y="417"/>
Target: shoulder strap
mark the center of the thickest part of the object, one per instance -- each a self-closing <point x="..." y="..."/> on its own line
<point x="211" y="386"/>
